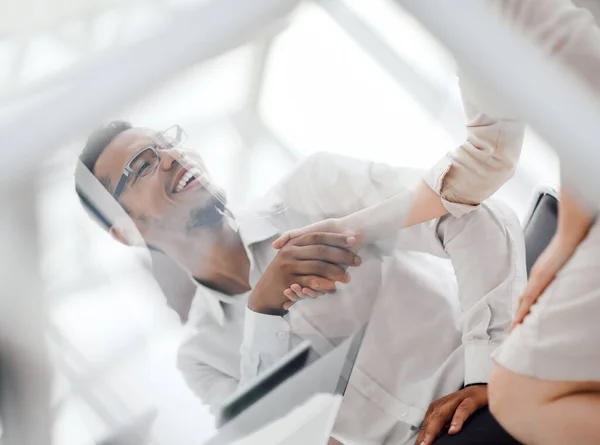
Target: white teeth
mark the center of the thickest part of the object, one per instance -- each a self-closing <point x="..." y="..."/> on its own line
<point x="185" y="178"/>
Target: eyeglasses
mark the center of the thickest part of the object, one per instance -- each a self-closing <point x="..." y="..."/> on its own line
<point x="146" y="161"/>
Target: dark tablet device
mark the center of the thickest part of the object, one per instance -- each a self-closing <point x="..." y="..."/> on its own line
<point x="297" y="360"/>
<point x="289" y="365"/>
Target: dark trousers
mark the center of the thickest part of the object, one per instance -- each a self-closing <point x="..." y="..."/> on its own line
<point x="480" y="429"/>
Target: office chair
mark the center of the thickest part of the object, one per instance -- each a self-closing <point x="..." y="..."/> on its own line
<point x="541" y="224"/>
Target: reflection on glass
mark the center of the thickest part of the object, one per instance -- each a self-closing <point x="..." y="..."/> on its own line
<point x="239" y="329"/>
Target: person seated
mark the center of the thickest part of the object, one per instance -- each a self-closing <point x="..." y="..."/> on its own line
<point x="438" y="297"/>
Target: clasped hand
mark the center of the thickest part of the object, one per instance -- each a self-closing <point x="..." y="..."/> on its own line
<point x="315" y="261"/>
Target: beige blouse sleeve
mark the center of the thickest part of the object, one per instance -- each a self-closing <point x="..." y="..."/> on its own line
<point x="477" y="168"/>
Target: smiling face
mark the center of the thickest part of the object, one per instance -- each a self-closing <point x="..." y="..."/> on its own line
<point x="173" y="195"/>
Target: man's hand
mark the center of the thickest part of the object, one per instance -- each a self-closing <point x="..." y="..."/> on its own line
<point x="315" y="260"/>
<point x="297" y="291"/>
<point x="452" y="410"/>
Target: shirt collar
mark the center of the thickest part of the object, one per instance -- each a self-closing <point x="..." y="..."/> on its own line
<point x="259" y="225"/>
<point x="254" y="227"/>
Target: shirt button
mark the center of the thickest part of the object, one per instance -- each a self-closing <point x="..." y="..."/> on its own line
<point x="282" y="335"/>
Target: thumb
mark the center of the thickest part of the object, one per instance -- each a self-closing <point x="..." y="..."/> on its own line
<point x="535" y="287"/>
<point x="281" y="241"/>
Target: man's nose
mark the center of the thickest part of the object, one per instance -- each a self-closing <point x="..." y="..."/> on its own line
<point x="168" y="158"/>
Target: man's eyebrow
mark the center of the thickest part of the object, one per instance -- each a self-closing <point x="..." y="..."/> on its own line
<point x="107" y="183"/>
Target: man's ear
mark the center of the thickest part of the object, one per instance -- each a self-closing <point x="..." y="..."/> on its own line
<point x="117" y="234"/>
<point x="125" y="231"/>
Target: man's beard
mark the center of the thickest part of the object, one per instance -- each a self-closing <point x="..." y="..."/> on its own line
<point x="209" y="215"/>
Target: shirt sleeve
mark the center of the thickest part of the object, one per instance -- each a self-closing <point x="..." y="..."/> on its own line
<point x="267" y="338"/>
<point x="206" y="382"/>
<point x="487" y="252"/>
<point x="336" y="185"/>
<point x="478" y="167"/>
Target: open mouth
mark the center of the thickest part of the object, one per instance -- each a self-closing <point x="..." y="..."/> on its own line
<point x="187" y="180"/>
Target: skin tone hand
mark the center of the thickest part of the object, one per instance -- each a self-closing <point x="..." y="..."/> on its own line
<point x="451" y="412"/>
<point x="330" y="225"/>
<point x="316" y="260"/>
<point x="296" y="291"/>
<point x="379" y="221"/>
<point x="574" y="222"/>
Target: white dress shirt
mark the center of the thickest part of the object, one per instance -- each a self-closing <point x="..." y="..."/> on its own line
<point x="433" y="325"/>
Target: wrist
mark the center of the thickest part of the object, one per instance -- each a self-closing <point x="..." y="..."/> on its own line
<point x="571" y="237"/>
<point x="351" y="224"/>
<point x="574" y="219"/>
<point x="259" y="305"/>
<point x="565" y="241"/>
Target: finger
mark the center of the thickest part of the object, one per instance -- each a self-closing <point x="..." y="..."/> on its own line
<point x="288" y="304"/>
<point x="297" y="289"/>
<point x="290" y="294"/>
<point x="528" y="299"/>
<point x="433" y="426"/>
<point x="536" y="286"/>
<point x="518" y="318"/>
<point x="332" y="272"/>
<point x="421" y="435"/>
<point x="318" y="284"/>
<point x="330" y="254"/>
<point x="304" y="292"/>
<point x="283" y="240"/>
<point x="311" y="293"/>
<point x="462" y="413"/>
<point x="345" y="240"/>
<point x="288" y="236"/>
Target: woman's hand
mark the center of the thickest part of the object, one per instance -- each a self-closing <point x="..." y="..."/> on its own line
<point x="574" y="222"/>
<point x="543" y="272"/>
<point x="331" y="225"/>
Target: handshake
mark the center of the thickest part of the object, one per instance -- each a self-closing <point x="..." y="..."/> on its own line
<point x="306" y="266"/>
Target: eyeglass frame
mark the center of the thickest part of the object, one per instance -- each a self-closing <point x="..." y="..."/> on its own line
<point x="130" y="171"/>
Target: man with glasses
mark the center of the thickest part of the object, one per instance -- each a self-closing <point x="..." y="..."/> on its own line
<point x="425" y="340"/>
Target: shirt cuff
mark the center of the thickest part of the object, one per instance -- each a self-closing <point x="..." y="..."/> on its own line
<point x="266" y="335"/>
<point x="478" y="362"/>
<point x="434" y="178"/>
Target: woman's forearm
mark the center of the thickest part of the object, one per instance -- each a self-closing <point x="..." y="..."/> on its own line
<point x="404" y="209"/>
<point x="574" y="219"/>
<point x="426" y="205"/>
